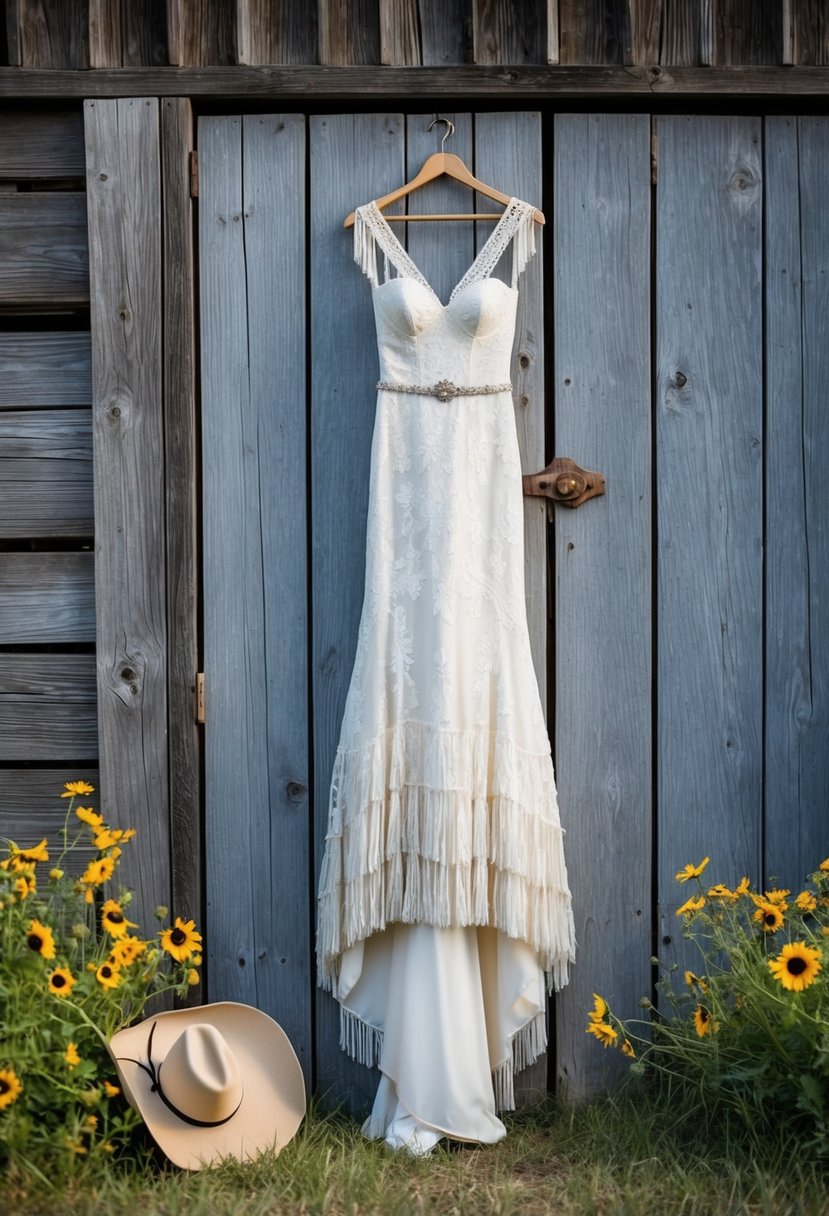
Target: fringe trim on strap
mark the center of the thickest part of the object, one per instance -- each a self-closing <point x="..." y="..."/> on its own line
<point x="447" y="828"/>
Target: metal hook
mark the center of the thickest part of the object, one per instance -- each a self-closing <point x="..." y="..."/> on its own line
<point x="450" y="129"/>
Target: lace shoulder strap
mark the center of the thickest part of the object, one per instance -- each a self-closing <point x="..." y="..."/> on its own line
<point x="370" y="230"/>
<point x="516" y="223"/>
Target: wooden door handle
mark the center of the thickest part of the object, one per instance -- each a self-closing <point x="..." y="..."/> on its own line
<point x="565" y="481"/>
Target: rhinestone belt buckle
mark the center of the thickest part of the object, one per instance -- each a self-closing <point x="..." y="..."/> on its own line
<point x="445" y="390"/>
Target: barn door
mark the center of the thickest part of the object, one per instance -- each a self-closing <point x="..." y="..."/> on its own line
<point x="289" y="366"/>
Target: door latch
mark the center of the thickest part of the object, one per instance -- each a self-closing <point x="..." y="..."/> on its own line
<point x="565" y="481"/>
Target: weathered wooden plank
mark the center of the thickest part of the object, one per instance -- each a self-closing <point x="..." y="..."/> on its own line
<point x="709" y="502"/>
<point x="443" y="261"/>
<point x="46" y="473"/>
<point x="125" y="226"/>
<point x="45" y="368"/>
<point x="596" y="33"/>
<point x="47" y="597"/>
<point x="43" y="248"/>
<point x="48" y="707"/>
<point x="399" y="32"/>
<point x="144" y="33"/>
<point x="509" y="31"/>
<point x="601" y="232"/>
<point x="529" y="82"/>
<point x="797" y="502"/>
<point x="104" y="33"/>
<point x="200" y="34"/>
<point x="805" y="32"/>
<point x="508" y="154"/>
<point x="255" y="585"/>
<point x="35" y="144"/>
<point x="47" y="34"/>
<point x="182" y="524"/>
<point x="445" y="32"/>
<point x="349" y="32"/>
<point x="747" y="31"/>
<point x="353" y="157"/>
<point x="268" y="32"/>
<point x="31" y="807"/>
<point x="658" y="32"/>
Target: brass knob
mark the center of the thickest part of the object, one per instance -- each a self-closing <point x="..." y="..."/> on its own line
<point x="567" y="485"/>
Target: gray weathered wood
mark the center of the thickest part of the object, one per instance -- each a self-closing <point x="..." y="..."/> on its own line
<point x="797" y="499"/>
<point x="48" y="707"/>
<point x="353" y="158"/>
<point x="268" y="32"/>
<point x="509" y="31"/>
<point x="45" y="368"/>
<point x="31" y="807"/>
<point x="37" y="144"/>
<point x="181" y="464"/>
<point x="125" y="224"/>
<point x="349" y="31"/>
<point x="43" y="248"/>
<point x="255" y="584"/>
<point x="47" y="597"/>
<point x="709" y="501"/>
<point x="600" y="230"/>
<point x="46" y="473"/>
<point x="508" y="155"/>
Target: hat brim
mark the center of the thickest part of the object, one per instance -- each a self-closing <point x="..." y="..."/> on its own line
<point x="273" y="1101"/>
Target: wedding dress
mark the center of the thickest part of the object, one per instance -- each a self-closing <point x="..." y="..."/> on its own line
<point x="444" y="909"/>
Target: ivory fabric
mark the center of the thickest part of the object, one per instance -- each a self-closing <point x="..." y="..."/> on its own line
<point x="443" y="874"/>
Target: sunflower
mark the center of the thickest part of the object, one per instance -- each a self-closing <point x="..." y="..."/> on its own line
<point x="599" y="1008"/>
<point x="181" y="940"/>
<point x="702" y="1020"/>
<point x="627" y="1048"/>
<point x="25" y="885"/>
<point x="113" y="919"/>
<point x="720" y="891"/>
<point x="98" y="872"/>
<point x="806" y="901"/>
<point x="742" y="887"/>
<point x="71" y="1055"/>
<point x="61" y="981"/>
<point x="691" y="905"/>
<point x="40" y="939"/>
<point x="605" y="1033"/>
<point x="691" y="979"/>
<point x="11" y="1087"/>
<point x="74" y="788"/>
<point x="692" y="871"/>
<point x="108" y="976"/>
<point x="126" y="950"/>
<point x="88" y="816"/>
<point x="824" y="865"/>
<point x="769" y="915"/>
<point x="37" y="852"/>
<point x="795" y="966"/>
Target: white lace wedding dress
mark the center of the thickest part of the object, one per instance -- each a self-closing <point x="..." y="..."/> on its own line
<point x="444" y="901"/>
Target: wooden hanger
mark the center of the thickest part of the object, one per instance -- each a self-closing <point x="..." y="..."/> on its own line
<point x="436" y="165"/>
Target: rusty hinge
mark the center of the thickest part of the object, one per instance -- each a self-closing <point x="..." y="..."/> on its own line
<point x="194" y="174"/>
<point x="564" y="481"/>
<point x="200" y="697"/>
<point x="654" y="154"/>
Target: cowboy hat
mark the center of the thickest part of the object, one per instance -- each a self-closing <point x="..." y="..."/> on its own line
<point x="213" y="1081"/>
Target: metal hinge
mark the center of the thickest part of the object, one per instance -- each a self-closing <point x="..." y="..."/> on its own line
<point x="194" y="174"/>
<point x="654" y="155"/>
<point x="200" y="697"/>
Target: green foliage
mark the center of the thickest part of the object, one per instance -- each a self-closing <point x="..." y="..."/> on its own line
<point x="750" y="1032"/>
<point x="72" y="973"/>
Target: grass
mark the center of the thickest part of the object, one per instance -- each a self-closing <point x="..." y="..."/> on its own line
<point x="621" y="1154"/>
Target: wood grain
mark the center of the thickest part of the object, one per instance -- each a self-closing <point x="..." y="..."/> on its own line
<point x="47" y="597"/>
<point x="46" y="473"/>
<point x="45" y="368"/>
<point x="48" y="707"/>
<point x="37" y="144"/>
<point x="43" y="248"/>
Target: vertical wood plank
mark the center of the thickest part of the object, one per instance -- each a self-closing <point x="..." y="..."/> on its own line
<point x="508" y="153"/>
<point x="509" y="31"/>
<point x="255" y="586"/>
<point x="399" y="32"/>
<point x="601" y="232"/>
<point x="268" y="31"/>
<point x="125" y="224"/>
<point x="797" y="503"/>
<point x="349" y="32"/>
<point x="709" y="500"/>
<point x="594" y="33"/>
<point x="177" y="138"/>
<point x="353" y="158"/>
<point x="445" y="32"/>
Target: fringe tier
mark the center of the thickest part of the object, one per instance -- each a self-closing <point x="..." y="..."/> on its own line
<point x="446" y="828"/>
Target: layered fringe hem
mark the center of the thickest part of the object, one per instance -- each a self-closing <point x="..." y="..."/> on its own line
<point x="364" y="1043"/>
<point x="446" y="828"/>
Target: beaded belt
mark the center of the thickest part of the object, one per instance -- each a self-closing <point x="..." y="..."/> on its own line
<point x="444" y="390"/>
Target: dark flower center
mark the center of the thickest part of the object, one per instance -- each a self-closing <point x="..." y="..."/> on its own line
<point x="795" y="966"/>
<point x="35" y="941"/>
<point x="178" y="937"/>
<point x="703" y="1013"/>
<point x="770" y="918"/>
<point x="106" y="971"/>
<point x="4" y="1086"/>
<point x="58" y="981"/>
<point x="115" y="917"/>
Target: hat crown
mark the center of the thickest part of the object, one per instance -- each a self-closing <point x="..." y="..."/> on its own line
<point x="201" y="1075"/>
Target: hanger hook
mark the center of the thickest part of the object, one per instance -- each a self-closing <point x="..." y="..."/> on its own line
<point x="450" y="129"/>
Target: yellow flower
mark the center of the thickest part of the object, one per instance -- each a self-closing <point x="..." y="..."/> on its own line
<point x="627" y="1048"/>
<point x="39" y="937"/>
<point x="108" y="976"/>
<point x="824" y="865"/>
<point x="691" y="979"/>
<point x="126" y="950"/>
<point x="25" y="885"/>
<point x="599" y="1008"/>
<point x="71" y="1055"/>
<point x="605" y="1033"/>
<point x="112" y="1091"/>
<point x="73" y="788"/>
<point x="691" y="905"/>
<point x="98" y="872"/>
<point x="692" y="871"/>
<point x="778" y="898"/>
<point x="181" y="940"/>
<point x="106" y="837"/>
<point x="720" y="891"/>
<point x="61" y="981"/>
<point x="11" y="1087"/>
<point x="702" y="1020"/>
<point x="806" y="901"/>
<point x="88" y="816"/>
<point x="36" y="853"/>
<point x="769" y="915"/>
<point x="192" y="976"/>
<point x="113" y="919"/>
<point x="91" y="1122"/>
<point x="795" y="966"/>
<point x="742" y="887"/>
<point x="56" y="873"/>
